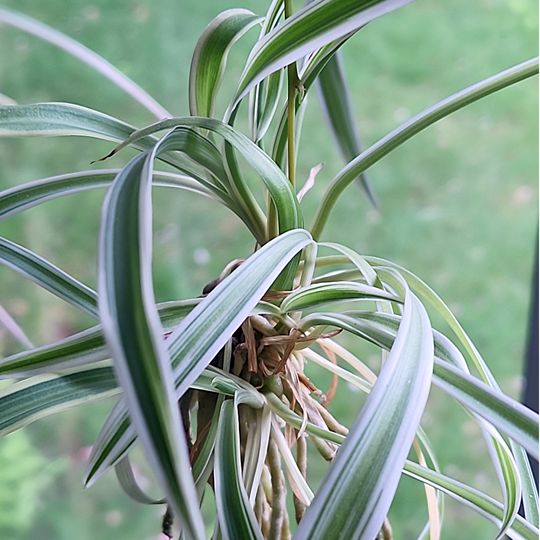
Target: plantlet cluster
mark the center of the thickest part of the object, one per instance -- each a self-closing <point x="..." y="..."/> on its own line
<point x="214" y="388"/>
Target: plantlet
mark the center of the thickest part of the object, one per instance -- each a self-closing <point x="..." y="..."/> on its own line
<point x="214" y="387"/>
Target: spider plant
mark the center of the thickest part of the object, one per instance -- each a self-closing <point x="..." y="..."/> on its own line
<point x="214" y="388"/>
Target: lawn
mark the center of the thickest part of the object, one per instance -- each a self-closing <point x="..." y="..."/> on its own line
<point x="458" y="206"/>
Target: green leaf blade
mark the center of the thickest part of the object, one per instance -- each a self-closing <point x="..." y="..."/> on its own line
<point x="235" y="514"/>
<point x="279" y="187"/>
<point x="20" y="198"/>
<point x="48" y="276"/>
<point x="84" y="54"/>
<point x="134" y="336"/>
<point x="512" y="418"/>
<point x="361" y="481"/>
<point x="37" y="397"/>
<point x="314" y="26"/>
<point x="489" y="508"/>
<point x="324" y="293"/>
<point x="210" y="57"/>
<point x="421" y="121"/>
<point x="336" y="104"/>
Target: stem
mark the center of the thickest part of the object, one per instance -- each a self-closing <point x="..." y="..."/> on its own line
<point x="326" y="449"/>
<point x="259" y="506"/>
<point x="410" y="128"/>
<point x="285" y="527"/>
<point x="280" y="409"/>
<point x="301" y="460"/>
<point x="292" y="78"/>
<point x="278" y="490"/>
<point x="272" y="225"/>
<point x="330" y="421"/>
<point x="266" y="485"/>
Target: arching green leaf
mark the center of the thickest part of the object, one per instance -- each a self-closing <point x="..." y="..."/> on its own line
<point x="421" y="121"/>
<point x="324" y="293"/>
<point x="128" y="482"/>
<point x="210" y="57"/>
<point x="235" y="514"/>
<point x="309" y="29"/>
<point x="37" y="397"/>
<point x="337" y="110"/>
<point x="48" y="276"/>
<point x="82" y="348"/>
<point x="89" y="57"/>
<point x="360" y="484"/>
<point x="20" y="198"/>
<point x="506" y="414"/>
<point x="65" y="119"/>
<point x="134" y="337"/>
<point x="276" y="182"/>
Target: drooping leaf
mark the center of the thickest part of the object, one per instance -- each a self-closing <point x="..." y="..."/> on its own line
<point x="360" y="262"/>
<point x="431" y="298"/>
<point x="235" y="514"/>
<point x="324" y="293"/>
<point x="83" y="348"/>
<point x="128" y="482"/>
<point x="276" y="182"/>
<point x="385" y="326"/>
<point x="506" y="414"/>
<point x="134" y="336"/>
<point x="509" y="416"/>
<point x="355" y="325"/>
<point x="335" y="101"/>
<point x="491" y="509"/>
<point x="65" y="119"/>
<point x="89" y="57"/>
<point x="62" y="119"/>
<point x="37" y="397"/>
<point x="201" y="150"/>
<point x="359" y="486"/>
<point x="481" y="503"/>
<point x="20" y="198"/>
<point x="48" y="276"/>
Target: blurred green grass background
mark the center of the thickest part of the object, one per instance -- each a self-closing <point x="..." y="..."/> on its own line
<point x="458" y="208"/>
